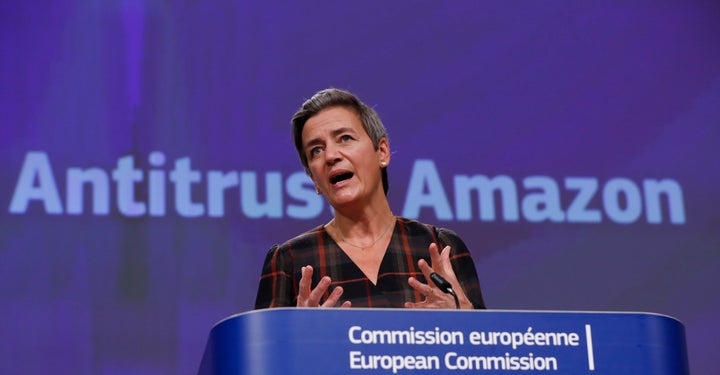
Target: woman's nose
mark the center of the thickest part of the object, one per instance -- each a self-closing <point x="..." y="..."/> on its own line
<point x="332" y="154"/>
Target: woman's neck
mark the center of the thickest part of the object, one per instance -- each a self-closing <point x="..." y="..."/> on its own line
<point x="363" y="229"/>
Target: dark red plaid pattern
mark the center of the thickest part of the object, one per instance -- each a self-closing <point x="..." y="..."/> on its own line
<point x="409" y="243"/>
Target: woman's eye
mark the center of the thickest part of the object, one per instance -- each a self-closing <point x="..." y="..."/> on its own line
<point x="345" y="138"/>
<point x="315" y="150"/>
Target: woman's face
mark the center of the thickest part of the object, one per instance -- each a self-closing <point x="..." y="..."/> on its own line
<point x="343" y="163"/>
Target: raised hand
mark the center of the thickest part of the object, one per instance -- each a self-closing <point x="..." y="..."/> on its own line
<point x="434" y="297"/>
<point x="308" y="297"/>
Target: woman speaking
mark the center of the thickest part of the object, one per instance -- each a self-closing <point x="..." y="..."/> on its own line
<point x="365" y="256"/>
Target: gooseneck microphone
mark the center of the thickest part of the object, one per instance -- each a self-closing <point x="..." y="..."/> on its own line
<point x="445" y="286"/>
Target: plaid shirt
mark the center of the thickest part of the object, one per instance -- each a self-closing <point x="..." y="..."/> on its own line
<point x="409" y="243"/>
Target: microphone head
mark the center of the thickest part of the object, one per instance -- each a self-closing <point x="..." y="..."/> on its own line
<point x="441" y="283"/>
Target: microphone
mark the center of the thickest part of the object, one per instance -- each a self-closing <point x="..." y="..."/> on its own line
<point x="445" y="286"/>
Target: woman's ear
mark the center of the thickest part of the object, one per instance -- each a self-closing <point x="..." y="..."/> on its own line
<point x="383" y="152"/>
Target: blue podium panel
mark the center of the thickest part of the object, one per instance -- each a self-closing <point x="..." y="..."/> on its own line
<point x="397" y="341"/>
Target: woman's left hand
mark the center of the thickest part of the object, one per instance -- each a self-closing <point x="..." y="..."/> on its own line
<point x="434" y="297"/>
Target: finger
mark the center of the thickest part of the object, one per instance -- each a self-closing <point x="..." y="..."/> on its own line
<point x="426" y="290"/>
<point x="414" y="305"/>
<point x="304" y="284"/>
<point x="434" y="298"/>
<point x="445" y="256"/>
<point x="346" y="304"/>
<point x="440" y="260"/>
<point x="417" y="305"/>
<point x="425" y="269"/>
<point x="436" y="304"/>
<point x="333" y="298"/>
<point x="443" y="266"/>
<point x="317" y="293"/>
<point x="434" y="254"/>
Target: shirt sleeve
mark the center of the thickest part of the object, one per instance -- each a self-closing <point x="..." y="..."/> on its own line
<point x="463" y="266"/>
<point x="276" y="287"/>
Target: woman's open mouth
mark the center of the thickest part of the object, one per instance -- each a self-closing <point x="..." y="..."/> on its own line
<point x="340" y="177"/>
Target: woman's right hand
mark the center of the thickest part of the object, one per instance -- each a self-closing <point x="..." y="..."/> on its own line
<point x="311" y="297"/>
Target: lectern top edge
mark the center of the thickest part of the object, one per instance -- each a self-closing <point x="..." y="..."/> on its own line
<point x="644" y="313"/>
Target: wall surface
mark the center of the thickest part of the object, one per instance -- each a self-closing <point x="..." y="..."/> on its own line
<point x="146" y="164"/>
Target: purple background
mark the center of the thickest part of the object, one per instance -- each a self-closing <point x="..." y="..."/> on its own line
<point x="548" y="88"/>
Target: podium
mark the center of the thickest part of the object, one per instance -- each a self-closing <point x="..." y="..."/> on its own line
<point x="402" y="341"/>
